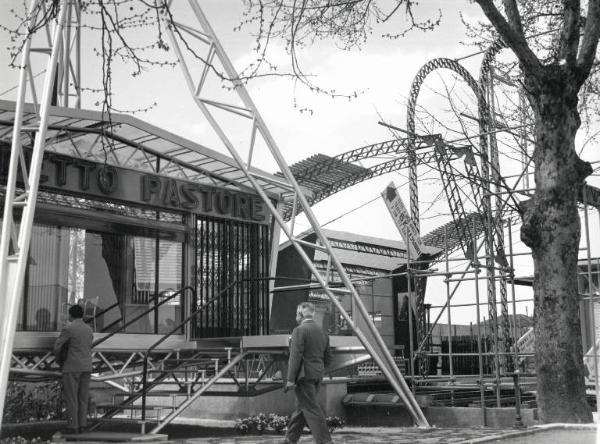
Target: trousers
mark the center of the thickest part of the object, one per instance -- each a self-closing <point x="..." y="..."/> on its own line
<point x="308" y="412"/>
<point x="76" y="388"/>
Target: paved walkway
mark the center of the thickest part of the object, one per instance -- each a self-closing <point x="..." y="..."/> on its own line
<point x="361" y="435"/>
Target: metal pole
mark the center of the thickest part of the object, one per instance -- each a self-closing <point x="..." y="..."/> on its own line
<point x="77" y="79"/>
<point x="589" y="272"/>
<point x="480" y="357"/>
<point x="516" y="371"/>
<point x="398" y="382"/>
<point x="411" y="350"/>
<point x="448" y="297"/>
<point x="12" y="274"/>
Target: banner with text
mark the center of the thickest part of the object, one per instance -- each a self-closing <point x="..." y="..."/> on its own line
<point x="403" y="222"/>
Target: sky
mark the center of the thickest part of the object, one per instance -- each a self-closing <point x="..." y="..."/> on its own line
<point x="381" y="70"/>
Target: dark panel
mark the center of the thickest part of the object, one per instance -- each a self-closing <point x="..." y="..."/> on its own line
<point x="232" y="268"/>
<point x="291" y="270"/>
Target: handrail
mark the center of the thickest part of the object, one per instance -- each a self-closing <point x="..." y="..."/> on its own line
<point x="144" y="313"/>
<point x="101" y="313"/>
<point x="161" y="340"/>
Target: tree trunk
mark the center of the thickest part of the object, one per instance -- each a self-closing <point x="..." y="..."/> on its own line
<point x="552" y="229"/>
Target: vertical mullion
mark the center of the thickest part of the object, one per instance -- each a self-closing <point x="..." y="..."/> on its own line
<point x="252" y="270"/>
<point x="213" y="244"/>
<point x="156" y="279"/>
<point x="222" y="278"/>
<point x="201" y="280"/>
<point x="265" y="274"/>
<point x="244" y="284"/>
<point x="238" y="310"/>
<point x="230" y="276"/>
<point x="198" y="282"/>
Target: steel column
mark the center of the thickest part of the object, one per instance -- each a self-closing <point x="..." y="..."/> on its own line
<point x="14" y="249"/>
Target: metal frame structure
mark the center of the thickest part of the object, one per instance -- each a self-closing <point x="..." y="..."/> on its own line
<point x="16" y="234"/>
<point x="325" y="174"/>
<point x="302" y="185"/>
<point x="14" y="246"/>
<point x="371" y="339"/>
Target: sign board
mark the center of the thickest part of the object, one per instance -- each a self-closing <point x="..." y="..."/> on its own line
<point x="526" y="343"/>
<point x="403" y="222"/>
<point x="89" y="179"/>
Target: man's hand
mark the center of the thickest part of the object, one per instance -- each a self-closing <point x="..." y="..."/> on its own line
<point x="288" y="385"/>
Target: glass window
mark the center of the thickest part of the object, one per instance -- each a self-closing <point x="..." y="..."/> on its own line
<point x="115" y="277"/>
<point x="46" y="289"/>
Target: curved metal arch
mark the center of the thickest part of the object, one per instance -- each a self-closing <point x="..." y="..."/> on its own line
<point x="415" y="89"/>
<point x="486" y="85"/>
<point x="488" y="58"/>
<point x="466" y="231"/>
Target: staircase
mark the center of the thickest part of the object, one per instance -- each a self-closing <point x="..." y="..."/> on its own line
<point x="164" y="390"/>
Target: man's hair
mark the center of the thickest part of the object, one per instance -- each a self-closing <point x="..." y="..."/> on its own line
<point x="307" y="309"/>
<point x="76" y="311"/>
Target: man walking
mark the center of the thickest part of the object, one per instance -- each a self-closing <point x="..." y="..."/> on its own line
<point x="73" y="351"/>
<point x="309" y="355"/>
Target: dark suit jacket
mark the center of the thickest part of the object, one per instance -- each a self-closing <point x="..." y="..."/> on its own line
<point x="309" y="352"/>
<point x="78" y="338"/>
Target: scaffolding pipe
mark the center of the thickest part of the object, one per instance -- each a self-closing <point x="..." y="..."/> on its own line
<point x="516" y="371"/>
<point x="592" y="314"/>
<point x="480" y="357"/>
<point x="448" y="299"/>
<point x="411" y="350"/>
<point x="472" y="304"/>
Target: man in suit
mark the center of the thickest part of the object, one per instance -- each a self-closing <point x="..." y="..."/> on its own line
<point x="73" y="351"/>
<point x="309" y="355"/>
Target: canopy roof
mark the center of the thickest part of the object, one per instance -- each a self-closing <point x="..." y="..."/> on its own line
<point x="128" y="142"/>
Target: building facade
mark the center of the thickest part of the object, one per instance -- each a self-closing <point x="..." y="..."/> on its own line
<point x="369" y="261"/>
<point x="129" y="215"/>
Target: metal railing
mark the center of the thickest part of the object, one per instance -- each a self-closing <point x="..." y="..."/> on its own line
<point x="102" y="313"/>
<point x="167" y="335"/>
<point x="154" y="308"/>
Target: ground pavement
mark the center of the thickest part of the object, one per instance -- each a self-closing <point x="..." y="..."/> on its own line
<point x="362" y="435"/>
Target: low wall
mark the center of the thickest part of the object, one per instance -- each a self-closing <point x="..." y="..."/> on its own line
<point x="379" y="416"/>
<point x="234" y="407"/>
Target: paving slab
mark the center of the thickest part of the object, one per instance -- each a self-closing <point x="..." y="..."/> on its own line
<point x="364" y="435"/>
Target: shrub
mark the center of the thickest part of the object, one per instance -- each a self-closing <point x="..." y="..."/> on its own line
<point x="21" y="440"/>
<point x="261" y="422"/>
<point x="33" y="402"/>
<point x="334" y="422"/>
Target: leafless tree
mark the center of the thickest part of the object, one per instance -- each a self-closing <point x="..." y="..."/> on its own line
<point x="554" y="70"/>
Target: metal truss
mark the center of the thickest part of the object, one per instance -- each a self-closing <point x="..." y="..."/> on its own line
<point x="19" y="204"/>
<point x="361" y="247"/>
<point x="486" y="85"/>
<point x="309" y="169"/>
<point x="120" y="370"/>
<point x="450" y="186"/>
<point x="328" y="187"/>
<point x="216" y="61"/>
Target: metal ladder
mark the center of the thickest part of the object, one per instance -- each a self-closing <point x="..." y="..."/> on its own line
<point x="205" y="35"/>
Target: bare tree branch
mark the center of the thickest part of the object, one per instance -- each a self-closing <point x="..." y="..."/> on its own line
<point x="569" y="33"/>
<point x="512" y="37"/>
<point x="589" y="44"/>
<point x="514" y="16"/>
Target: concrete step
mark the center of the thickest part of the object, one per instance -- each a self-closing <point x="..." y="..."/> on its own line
<point x="102" y="436"/>
<point x="135" y="407"/>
